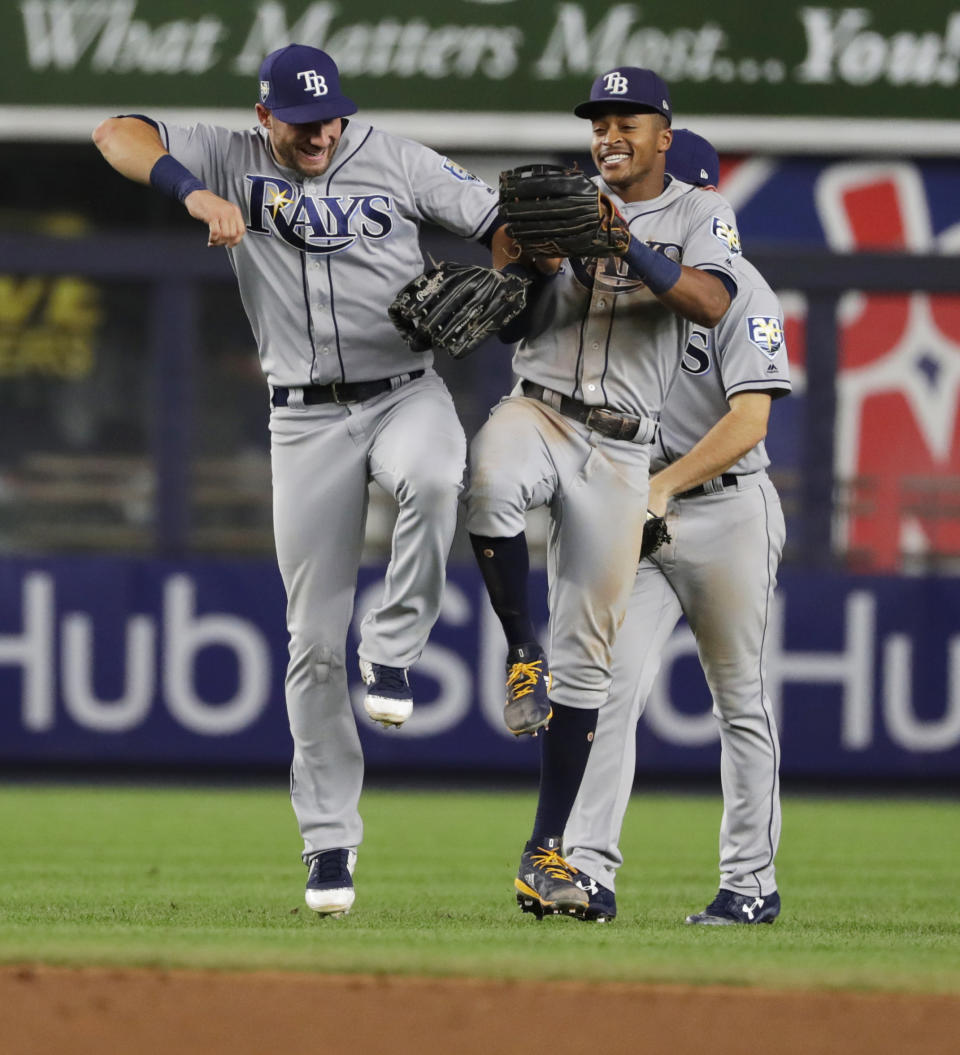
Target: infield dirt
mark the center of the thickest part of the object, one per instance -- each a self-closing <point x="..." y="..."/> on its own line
<point x="91" y="1011"/>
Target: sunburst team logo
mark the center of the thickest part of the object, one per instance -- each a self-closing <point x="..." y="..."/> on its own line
<point x="278" y="200"/>
<point x="727" y="234"/>
<point x="766" y="333"/>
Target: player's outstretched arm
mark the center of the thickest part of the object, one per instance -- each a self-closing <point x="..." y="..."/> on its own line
<point x="133" y="147"/>
<point x="738" y="431"/>
<point x="508" y="256"/>
<point x="695" y="294"/>
<point x="698" y="296"/>
<point x="129" y="145"/>
<point x="506" y="250"/>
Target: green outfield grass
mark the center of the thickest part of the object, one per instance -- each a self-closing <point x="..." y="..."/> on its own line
<point x="211" y="878"/>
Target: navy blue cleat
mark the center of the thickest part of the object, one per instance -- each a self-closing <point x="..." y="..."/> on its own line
<point x="603" y="902"/>
<point x="527" y="709"/>
<point x="728" y="908"/>
<point x="330" y="882"/>
<point x="389" y="700"/>
<point x="546" y="884"/>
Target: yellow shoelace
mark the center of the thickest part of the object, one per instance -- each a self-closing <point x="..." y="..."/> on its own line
<point x="523" y="678"/>
<point x="552" y="863"/>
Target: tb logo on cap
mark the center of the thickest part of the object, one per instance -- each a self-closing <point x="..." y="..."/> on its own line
<point x="615" y="83"/>
<point x="313" y="82"/>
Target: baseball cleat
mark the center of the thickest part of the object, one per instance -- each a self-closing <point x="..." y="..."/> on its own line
<point x="389" y="700"/>
<point x="728" y="908"/>
<point x="330" y="882"/>
<point x="527" y="709"/>
<point x="546" y="884"/>
<point x="603" y="903"/>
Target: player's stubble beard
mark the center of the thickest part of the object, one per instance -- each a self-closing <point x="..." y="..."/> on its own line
<point x="300" y="151"/>
<point x="297" y="156"/>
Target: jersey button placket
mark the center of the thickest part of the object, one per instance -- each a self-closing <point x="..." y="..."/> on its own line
<point x="320" y="308"/>
<point x="595" y="338"/>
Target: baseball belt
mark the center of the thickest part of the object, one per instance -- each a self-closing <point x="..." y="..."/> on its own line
<point x="341" y="391"/>
<point x="607" y="422"/>
<point x="714" y="486"/>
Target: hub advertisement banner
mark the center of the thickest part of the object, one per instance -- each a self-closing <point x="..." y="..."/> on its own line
<point x="140" y="662"/>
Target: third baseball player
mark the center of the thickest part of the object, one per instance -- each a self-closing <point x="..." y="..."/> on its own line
<point x="727" y="530"/>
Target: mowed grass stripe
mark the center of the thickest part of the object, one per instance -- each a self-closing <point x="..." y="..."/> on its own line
<point x="211" y="878"/>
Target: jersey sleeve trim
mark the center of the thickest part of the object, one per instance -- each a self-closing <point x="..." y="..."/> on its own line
<point x="776" y="387"/>
<point x="164" y="133"/>
<point x="725" y="277"/>
<point x="483" y="232"/>
<point x="146" y="120"/>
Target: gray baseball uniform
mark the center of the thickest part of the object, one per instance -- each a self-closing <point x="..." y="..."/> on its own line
<point x="322" y="259"/>
<point x="599" y="336"/>
<point x="720" y="572"/>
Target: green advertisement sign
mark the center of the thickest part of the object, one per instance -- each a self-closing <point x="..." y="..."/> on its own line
<point x="877" y="60"/>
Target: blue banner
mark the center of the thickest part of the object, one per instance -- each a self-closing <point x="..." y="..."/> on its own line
<point x="143" y="662"/>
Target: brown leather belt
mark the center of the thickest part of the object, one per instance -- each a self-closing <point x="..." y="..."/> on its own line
<point x="602" y="419"/>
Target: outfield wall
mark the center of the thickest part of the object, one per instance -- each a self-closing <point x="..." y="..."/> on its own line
<point x="145" y="662"/>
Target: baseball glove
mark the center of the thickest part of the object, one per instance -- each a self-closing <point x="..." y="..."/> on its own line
<point x="553" y="211"/>
<point x="655" y="535"/>
<point x="456" y="306"/>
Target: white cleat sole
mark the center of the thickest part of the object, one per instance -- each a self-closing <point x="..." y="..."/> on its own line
<point x="388" y="712"/>
<point x="333" y="903"/>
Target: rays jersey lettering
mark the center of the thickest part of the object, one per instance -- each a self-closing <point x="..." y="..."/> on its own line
<point x="670" y="250"/>
<point x="613" y="274"/>
<point x="696" y="356"/>
<point x="766" y="333"/>
<point x="312" y="224"/>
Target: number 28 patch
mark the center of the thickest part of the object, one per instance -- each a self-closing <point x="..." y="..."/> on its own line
<point x="727" y="234"/>
<point x="766" y="333"/>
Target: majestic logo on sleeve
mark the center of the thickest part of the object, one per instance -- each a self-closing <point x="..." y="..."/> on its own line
<point x="727" y="234"/>
<point x="766" y="333"/>
<point x="316" y="225"/>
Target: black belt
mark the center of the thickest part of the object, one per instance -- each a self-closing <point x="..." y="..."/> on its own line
<point x="602" y="419"/>
<point x="343" y="391"/>
<point x="728" y="480"/>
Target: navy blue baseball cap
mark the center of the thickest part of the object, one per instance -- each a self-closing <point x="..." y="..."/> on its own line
<point x="628" y="89"/>
<point x="300" y="84"/>
<point x="691" y="158"/>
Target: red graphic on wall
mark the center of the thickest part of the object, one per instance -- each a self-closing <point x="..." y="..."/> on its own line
<point x="897" y="437"/>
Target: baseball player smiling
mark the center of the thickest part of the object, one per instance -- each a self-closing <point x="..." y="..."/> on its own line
<point x="320" y="214"/>
<point x="719" y="570"/>
<point x="602" y="342"/>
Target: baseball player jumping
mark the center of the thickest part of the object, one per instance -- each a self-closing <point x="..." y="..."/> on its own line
<point x="320" y="216"/>
<point x="601" y="349"/>
<point x="719" y="570"/>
